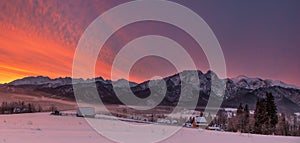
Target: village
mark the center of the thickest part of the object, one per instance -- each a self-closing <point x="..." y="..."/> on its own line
<point x="224" y="120"/>
<point x="198" y="119"/>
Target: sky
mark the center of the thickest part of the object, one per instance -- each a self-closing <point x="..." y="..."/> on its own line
<point x="258" y="38"/>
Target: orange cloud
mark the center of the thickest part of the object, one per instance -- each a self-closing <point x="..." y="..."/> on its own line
<point x="39" y="37"/>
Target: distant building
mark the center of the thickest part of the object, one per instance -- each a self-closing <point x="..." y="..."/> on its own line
<point x="86" y="112"/>
<point x="215" y="128"/>
<point x="198" y="121"/>
<point x="201" y="121"/>
<point x="163" y="121"/>
<point x="56" y="112"/>
<point x="17" y="110"/>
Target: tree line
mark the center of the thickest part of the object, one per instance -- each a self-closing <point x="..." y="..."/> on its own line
<point x="265" y="119"/>
<point x="19" y="107"/>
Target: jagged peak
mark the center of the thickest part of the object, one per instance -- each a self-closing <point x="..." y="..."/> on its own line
<point x="240" y="81"/>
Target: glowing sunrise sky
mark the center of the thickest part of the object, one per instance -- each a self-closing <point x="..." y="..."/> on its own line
<point x="258" y="38"/>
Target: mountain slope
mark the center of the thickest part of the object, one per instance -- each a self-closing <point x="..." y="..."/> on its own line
<point x="237" y="90"/>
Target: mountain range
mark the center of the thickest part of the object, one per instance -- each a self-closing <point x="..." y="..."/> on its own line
<point x="238" y="90"/>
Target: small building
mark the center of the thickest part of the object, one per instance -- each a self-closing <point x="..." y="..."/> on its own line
<point x="56" y="113"/>
<point x="17" y="110"/>
<point x="214" y="128"/>
<point x="201" y="122"/>
<point x="188" y="125"/>
<point x="163" y="121"/>
<point x="86" y="112"/>
<point x="173" y="121"/>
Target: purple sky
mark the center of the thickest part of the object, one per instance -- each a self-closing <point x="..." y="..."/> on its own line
<point x="258" y="38"/>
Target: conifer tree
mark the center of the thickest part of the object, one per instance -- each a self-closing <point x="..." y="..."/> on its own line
<point x="259" y="116"/>
<point x="246" y="119"/>
<point x="283" y="127"/>
<point x="271" y="113"/>
<point x="239" y="117"/>
<point x="240" y="110"/>
<point x="265" y="115"/>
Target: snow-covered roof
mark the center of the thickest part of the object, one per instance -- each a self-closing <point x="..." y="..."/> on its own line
<point x="200" y="120"/>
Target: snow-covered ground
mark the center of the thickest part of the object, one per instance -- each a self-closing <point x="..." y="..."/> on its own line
<point x="43" y="128"/>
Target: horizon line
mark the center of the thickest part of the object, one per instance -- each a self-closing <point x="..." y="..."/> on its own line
<point x="227" y="77"/>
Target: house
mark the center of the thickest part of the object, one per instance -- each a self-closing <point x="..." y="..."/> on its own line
<point x="17" y="110"/>
<point x="200" y="122"/>
<point x="215" y="128"/>
<point x="86" y="112"/>
<point x="56" y="113"/>
<point x="188" y="125"/>
<point x="163" y="121"/>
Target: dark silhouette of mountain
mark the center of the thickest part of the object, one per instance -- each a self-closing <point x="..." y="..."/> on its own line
<point x="236" y="90"/>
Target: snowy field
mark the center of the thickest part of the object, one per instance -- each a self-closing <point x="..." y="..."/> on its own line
<point x="43" y="128"/>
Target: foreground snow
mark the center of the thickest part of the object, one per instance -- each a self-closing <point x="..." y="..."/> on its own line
<point x="40" y="127"/>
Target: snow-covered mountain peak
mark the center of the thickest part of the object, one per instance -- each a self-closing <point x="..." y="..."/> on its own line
<point x="123" y="83"/>
<point x="204" y="79"/>
<point x="31" y="80"/>
<point x="255" y="83"/>
<point x="281" y="84"/>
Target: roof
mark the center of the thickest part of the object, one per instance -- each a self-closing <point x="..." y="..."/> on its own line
<point x="200" y="120"/>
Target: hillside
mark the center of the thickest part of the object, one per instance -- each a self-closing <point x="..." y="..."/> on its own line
<point x="41" y="127"/>
<point x="237" y="90"/>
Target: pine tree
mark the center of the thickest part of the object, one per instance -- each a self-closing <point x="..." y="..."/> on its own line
<point x="259" y="116"/>
<point x="298" y="131"/>
<point x="265" y="115"/>
<point x="201" y="114"/>
<point x="239" y="117"/>
<point x="246" y="119"/>
<point x="271" y="113"/>
<point x="240" y="110"/>
<point x="283" y="126"/>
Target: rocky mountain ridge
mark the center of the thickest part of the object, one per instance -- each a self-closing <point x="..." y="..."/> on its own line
<point x="236" y="90"/>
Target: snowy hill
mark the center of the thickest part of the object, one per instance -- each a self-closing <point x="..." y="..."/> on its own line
<point x="41" y="127"/>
